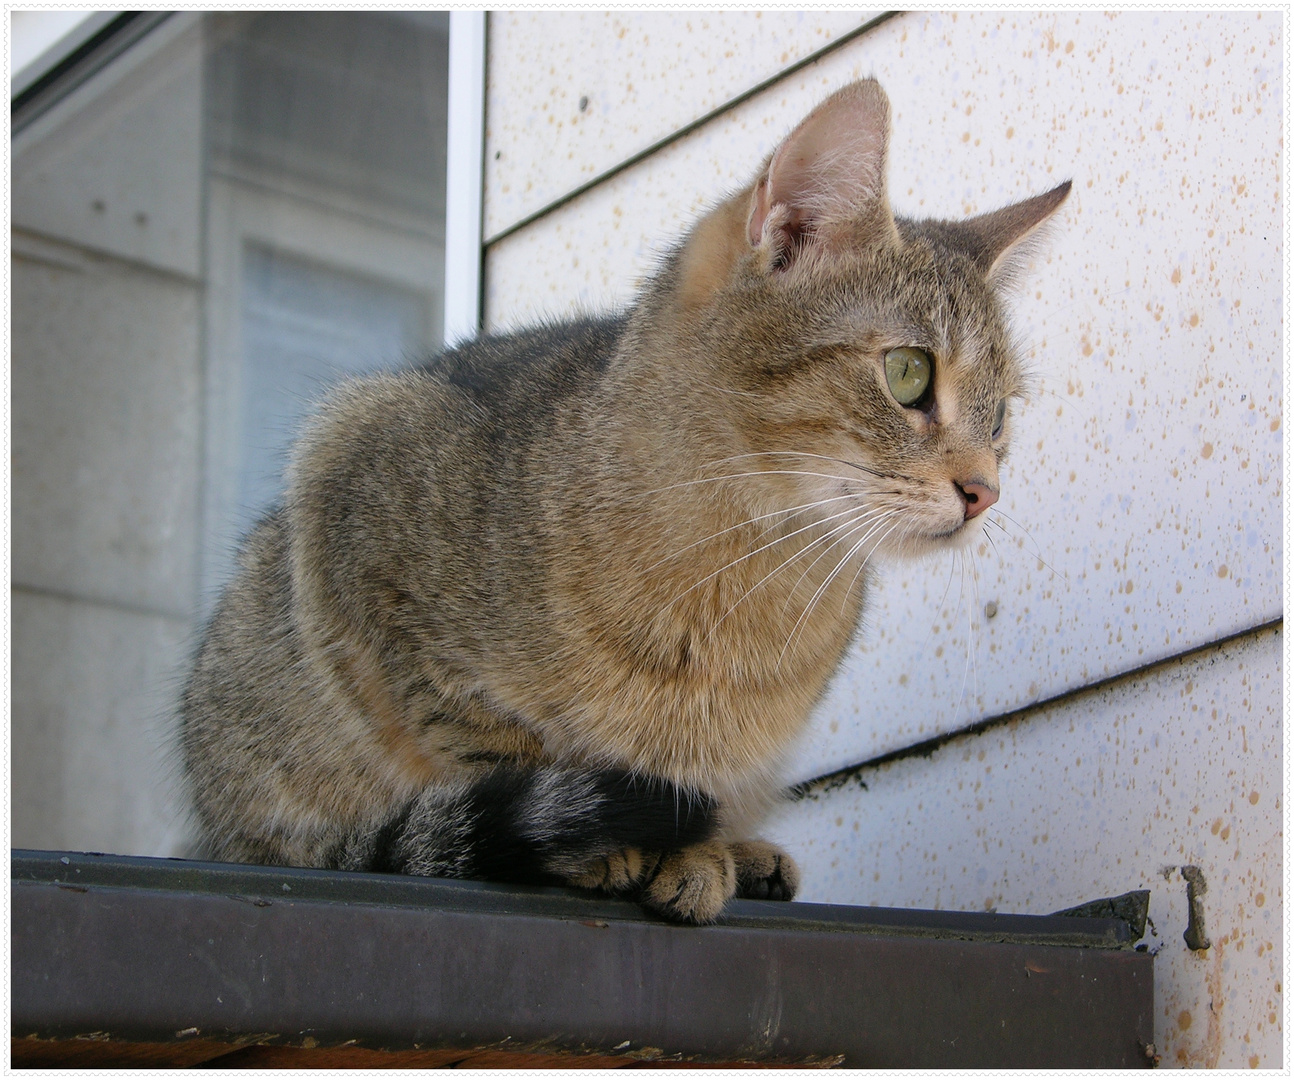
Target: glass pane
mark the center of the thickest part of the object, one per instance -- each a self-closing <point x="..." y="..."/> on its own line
<point x="231" y="215"/>
<point x="305" y="327"/>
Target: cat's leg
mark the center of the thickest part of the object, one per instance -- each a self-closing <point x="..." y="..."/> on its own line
<point x="531" y="825"/>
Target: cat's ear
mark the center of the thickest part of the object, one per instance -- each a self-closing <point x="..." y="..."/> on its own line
<point x="826" y="182"/>
<point x="1001" y="241"/>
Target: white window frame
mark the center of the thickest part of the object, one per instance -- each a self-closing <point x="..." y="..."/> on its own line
<point x="464" y="181"/>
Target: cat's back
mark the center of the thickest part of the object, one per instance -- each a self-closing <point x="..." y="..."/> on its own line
<point x="472" y="415"/>
<point x="423" y="490"/>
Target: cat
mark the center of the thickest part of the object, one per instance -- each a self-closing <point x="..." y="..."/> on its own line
<point x="554" y="606"/>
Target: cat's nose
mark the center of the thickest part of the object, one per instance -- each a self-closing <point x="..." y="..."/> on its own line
<point x="978" y="497"/>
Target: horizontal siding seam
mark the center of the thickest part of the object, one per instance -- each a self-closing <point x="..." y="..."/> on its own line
<point x="687" y="129"/>
<point x="838" y="778"/>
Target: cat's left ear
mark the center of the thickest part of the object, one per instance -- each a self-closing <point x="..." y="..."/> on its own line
<point x="1001" y="241"/>
<point x="826" y="183"/>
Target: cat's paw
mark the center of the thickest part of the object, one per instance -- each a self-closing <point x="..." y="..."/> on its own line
<point x="619" y="872"/>
<point x="764" y="871"/>
<point x="693" y="884"/>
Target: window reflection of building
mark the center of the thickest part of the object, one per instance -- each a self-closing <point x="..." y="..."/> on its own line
<point x="233" y="213"/>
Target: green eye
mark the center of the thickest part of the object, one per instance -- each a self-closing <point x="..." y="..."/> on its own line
<point x="999" y="418"/>
<point x="908" y="371"/>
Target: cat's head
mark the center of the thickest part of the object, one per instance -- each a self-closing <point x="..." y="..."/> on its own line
<point x="867" y="352"/>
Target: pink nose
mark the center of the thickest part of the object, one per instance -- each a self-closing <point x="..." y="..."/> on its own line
<point x="979" y="497"/>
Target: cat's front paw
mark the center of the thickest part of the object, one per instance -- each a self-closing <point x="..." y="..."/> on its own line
<point x="619" y="872"/>
<point x="692" y="885"/>
<point x="764" y="871"/>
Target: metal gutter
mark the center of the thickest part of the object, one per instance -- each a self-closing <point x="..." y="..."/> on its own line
<point x="117" y="950"/>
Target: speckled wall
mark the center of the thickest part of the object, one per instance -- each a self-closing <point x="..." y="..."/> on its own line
<point x="1142" y="505"/>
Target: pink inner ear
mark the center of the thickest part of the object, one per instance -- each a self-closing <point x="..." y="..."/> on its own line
<point x="830" y="168"/>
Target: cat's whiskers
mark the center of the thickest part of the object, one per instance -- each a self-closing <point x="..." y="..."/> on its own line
<point x="1037" y="551"/>
<point x="804" y="616"/>
<point x="802" y="621"/>
<point x="905" y="530"/>
<point x="799" y="453"/>
<point x="870" y="494"/>
<point x="749" y="555"/>
<point x="961" y="595"/>
<point x="784" y="514"/>
<point x="853" y="527"/>
<point x="992" y="543"/>
<point x="742" y="475"/>
<point x="939" y="608"/>
<point x="846" y="527"/>
<point x="971" y="613"/>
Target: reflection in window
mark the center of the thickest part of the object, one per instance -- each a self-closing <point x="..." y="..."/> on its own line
<point x="326" y="168"/>
<point x="213" y="222"/>
<point x="304" y="327"/>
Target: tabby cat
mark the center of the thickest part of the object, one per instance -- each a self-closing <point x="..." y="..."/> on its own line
<point x="554" y="606"/>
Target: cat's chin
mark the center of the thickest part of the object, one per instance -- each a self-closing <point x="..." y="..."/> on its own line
<point x="929" y="545"/>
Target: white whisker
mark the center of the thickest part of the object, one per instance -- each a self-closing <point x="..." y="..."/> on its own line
<point x="750" y="555"/>
<point x="905" y="530"/>
<point x="848" y="525"/>
<point x="1037" y="551"/>
<point x="743" y="475"/>
<point x="798" y="453"/>
<point x="852" y="526"/>
<point x="790" y="512"/>
<point x="803" y="619"/>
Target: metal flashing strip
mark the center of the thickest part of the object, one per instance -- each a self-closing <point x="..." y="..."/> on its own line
<point x="159" y="951"/>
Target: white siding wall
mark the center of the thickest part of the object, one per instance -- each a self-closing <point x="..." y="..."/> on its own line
<point x="1143" y="495"/>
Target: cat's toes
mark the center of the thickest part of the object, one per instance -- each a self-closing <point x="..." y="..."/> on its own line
<point x="616" y="873"/>
<point x="692" y="885"/>
<point x="764" y="871"/>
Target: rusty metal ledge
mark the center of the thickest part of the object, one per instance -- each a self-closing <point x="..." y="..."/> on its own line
<point x="163" y="951"/>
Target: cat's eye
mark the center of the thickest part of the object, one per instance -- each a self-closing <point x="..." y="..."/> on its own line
<point x="999" y="418"/>
<point x="908" y="372"/>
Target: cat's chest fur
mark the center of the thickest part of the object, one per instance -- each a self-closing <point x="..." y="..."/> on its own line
<point x="556" y="558"/>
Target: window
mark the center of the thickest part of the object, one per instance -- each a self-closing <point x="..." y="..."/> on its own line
<point x="214" y="218"/>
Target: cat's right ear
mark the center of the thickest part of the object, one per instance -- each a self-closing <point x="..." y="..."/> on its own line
<point x="825" y="185"/>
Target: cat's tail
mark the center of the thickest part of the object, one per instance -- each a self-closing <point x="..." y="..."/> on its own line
<point x="529" y="825"/>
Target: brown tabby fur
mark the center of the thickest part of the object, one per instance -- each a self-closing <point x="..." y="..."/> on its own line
<point x="601" y="545"/>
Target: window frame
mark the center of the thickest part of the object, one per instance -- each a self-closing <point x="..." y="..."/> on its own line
<point x="465" y="180"/>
